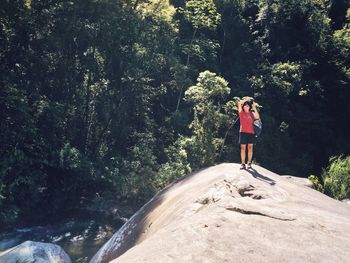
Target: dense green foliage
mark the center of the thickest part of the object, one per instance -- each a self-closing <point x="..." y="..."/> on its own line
<point x="123" y="97"/>
<point x="337" y="178"/>
<point x="316" y="182"/>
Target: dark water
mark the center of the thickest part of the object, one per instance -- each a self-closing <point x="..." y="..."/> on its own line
<point x="80" y="239"/>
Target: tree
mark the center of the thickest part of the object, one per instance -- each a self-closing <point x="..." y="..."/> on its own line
<point x="206" y="97"/>
<point x="201" y="14"/>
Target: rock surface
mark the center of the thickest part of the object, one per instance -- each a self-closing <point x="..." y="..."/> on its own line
<point x="300" y="180"/>
<point x="223" y="214"/>
<point x="346" y="201"/>
<point x="37" y="252"/>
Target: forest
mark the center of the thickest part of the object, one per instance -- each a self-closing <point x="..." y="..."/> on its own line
<point x="116" y="99"/>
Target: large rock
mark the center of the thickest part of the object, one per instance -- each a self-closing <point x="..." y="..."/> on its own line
<point x="223" y="214"/>
<point x="37" y="252"/>
<point x="346" y="201"/>
<point x="300" y="180"/>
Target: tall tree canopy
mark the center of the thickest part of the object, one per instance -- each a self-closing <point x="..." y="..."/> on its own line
<point x="122" y="97"/>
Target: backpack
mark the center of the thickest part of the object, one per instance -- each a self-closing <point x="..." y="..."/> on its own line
<point x="257" y="125"/>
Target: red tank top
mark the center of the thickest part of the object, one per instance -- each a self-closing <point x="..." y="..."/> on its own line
<point x="246" y="120"/>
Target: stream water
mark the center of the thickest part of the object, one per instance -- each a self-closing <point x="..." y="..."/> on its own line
<point x="80" y="239"/>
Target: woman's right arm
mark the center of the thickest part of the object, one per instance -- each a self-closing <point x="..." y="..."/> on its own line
<point x="240" y="103"/>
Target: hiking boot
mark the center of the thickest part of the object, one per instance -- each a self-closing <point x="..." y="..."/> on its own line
<point x="242" y="166"/>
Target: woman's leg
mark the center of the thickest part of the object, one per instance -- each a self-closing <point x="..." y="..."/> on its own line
<point x="250" y="153"/>
<point x="243" y="150"/>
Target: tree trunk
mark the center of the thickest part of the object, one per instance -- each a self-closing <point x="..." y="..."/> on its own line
<point x="187" y="65"/>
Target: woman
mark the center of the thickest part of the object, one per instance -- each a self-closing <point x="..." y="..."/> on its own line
<point x="247" y="114"/>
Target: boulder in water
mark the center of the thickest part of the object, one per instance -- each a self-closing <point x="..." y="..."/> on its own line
<point x="37" y="252"/>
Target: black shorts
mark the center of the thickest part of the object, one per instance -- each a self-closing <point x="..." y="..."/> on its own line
<point x="246" y="138"/>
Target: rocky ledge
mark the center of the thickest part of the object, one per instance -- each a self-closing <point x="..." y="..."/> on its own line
<point x="223" y="214"/>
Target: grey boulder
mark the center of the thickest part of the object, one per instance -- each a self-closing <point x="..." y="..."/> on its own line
<point x="30" y="252"/>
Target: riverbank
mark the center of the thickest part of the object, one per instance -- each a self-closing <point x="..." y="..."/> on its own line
<point x="80" y="233"/>
<point x="80" y="237"/>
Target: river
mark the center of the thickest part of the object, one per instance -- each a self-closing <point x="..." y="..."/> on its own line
<point x="80" y="239"/>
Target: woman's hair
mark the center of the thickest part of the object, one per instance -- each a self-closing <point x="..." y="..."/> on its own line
<point x="247" y="103"/>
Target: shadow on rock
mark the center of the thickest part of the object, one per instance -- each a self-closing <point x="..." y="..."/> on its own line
<point x="260" y="177"/>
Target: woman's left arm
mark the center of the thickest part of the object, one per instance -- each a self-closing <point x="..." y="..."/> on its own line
<point x="255" y="112"/>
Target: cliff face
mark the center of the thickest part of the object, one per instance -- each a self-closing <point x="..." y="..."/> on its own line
<point x="223" y="214"/>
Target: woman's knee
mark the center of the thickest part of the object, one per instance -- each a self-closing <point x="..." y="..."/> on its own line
<point x="243" y="147"/>
<point x="250" y="147"/>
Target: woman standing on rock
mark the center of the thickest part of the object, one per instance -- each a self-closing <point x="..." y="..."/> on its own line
<point x="247" y="114"/>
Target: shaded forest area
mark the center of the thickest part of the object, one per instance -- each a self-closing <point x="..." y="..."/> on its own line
<point x="116" y="98"/>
